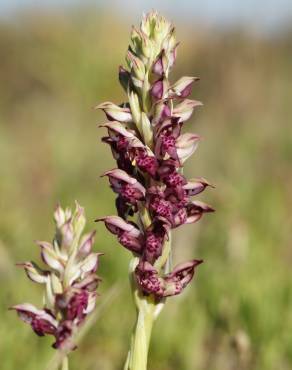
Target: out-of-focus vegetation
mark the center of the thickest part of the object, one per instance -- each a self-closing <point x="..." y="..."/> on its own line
<point x="237" y="314"/>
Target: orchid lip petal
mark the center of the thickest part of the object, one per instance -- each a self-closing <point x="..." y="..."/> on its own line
<point x="49" y="256"/>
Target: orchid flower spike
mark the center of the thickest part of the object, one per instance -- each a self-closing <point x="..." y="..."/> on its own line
<point x="69" y="280"/>
<point x="153" y="196"/>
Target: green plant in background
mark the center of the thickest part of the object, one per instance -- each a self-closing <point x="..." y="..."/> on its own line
<point x="154" y="197"/>
<point x="70" y="282"/>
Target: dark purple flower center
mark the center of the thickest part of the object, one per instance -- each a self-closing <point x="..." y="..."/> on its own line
<point x="147" y="163"/>
<point x="153" y="243"/>
<point x="174" y="179"/>
<point x="180" y="217"/>
<point x="161" y="207"/>
<point x="77" y="305"/>
<point x="130" y="193"/>
<point x="168" y="142"/>
<point x="149" y="281"/>
<point x="63" y="334"/>
<point x="131" y="243"/>
<point x="42" y="327"/>
<point x="122" y="143"/>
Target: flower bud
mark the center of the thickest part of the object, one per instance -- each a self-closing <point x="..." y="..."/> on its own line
<point x="78" y="220"/>
<point x="124" y="78"/>
<point x="33" y="272"/>
<point x="67" y="234"/>
<point x="160" y="66"/>
<point x="169" y="42"/>
<point x="172" y="56"/>
<point x="147" y="47"/>
<point x="86" y="244"/>
<point x="50" y="256"/>
<point x="147" y="131"/>
<point x="115" y="113"/>
<point x="136" y="40"/>
<point x="135" y="108"/>
<point x="136" y="65"/>
<point x="56" y="284"/>
<point x="59" y="216"/>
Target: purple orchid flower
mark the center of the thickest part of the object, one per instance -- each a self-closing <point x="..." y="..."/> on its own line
<point x="128" y="187"/>
<point x="150" y="148"/>
<point x="168" y="285"/>
<point x="129" y="235"/>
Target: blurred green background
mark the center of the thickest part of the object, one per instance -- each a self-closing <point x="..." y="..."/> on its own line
<point x="55" y="65"/>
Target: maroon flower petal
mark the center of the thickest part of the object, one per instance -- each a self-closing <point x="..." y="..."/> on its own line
<point x="41" y="321"/>
<point x="179" y="278"/>
<point x="156" y="235"/>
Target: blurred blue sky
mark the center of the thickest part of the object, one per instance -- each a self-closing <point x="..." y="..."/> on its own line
<point x="262" y="14"/>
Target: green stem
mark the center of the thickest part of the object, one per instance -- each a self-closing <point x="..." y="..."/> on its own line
<point x="65" y="363"/>
<point x="141" y="338"/>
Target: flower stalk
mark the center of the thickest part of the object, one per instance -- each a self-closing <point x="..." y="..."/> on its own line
<point x="65" y="363"/>
<point x="141" y="338"/>
<point x="153" y="197"/>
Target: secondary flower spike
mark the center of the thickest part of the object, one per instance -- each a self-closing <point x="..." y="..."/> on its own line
<point x="147" y="141"/>
<point x="69" y="280"/>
